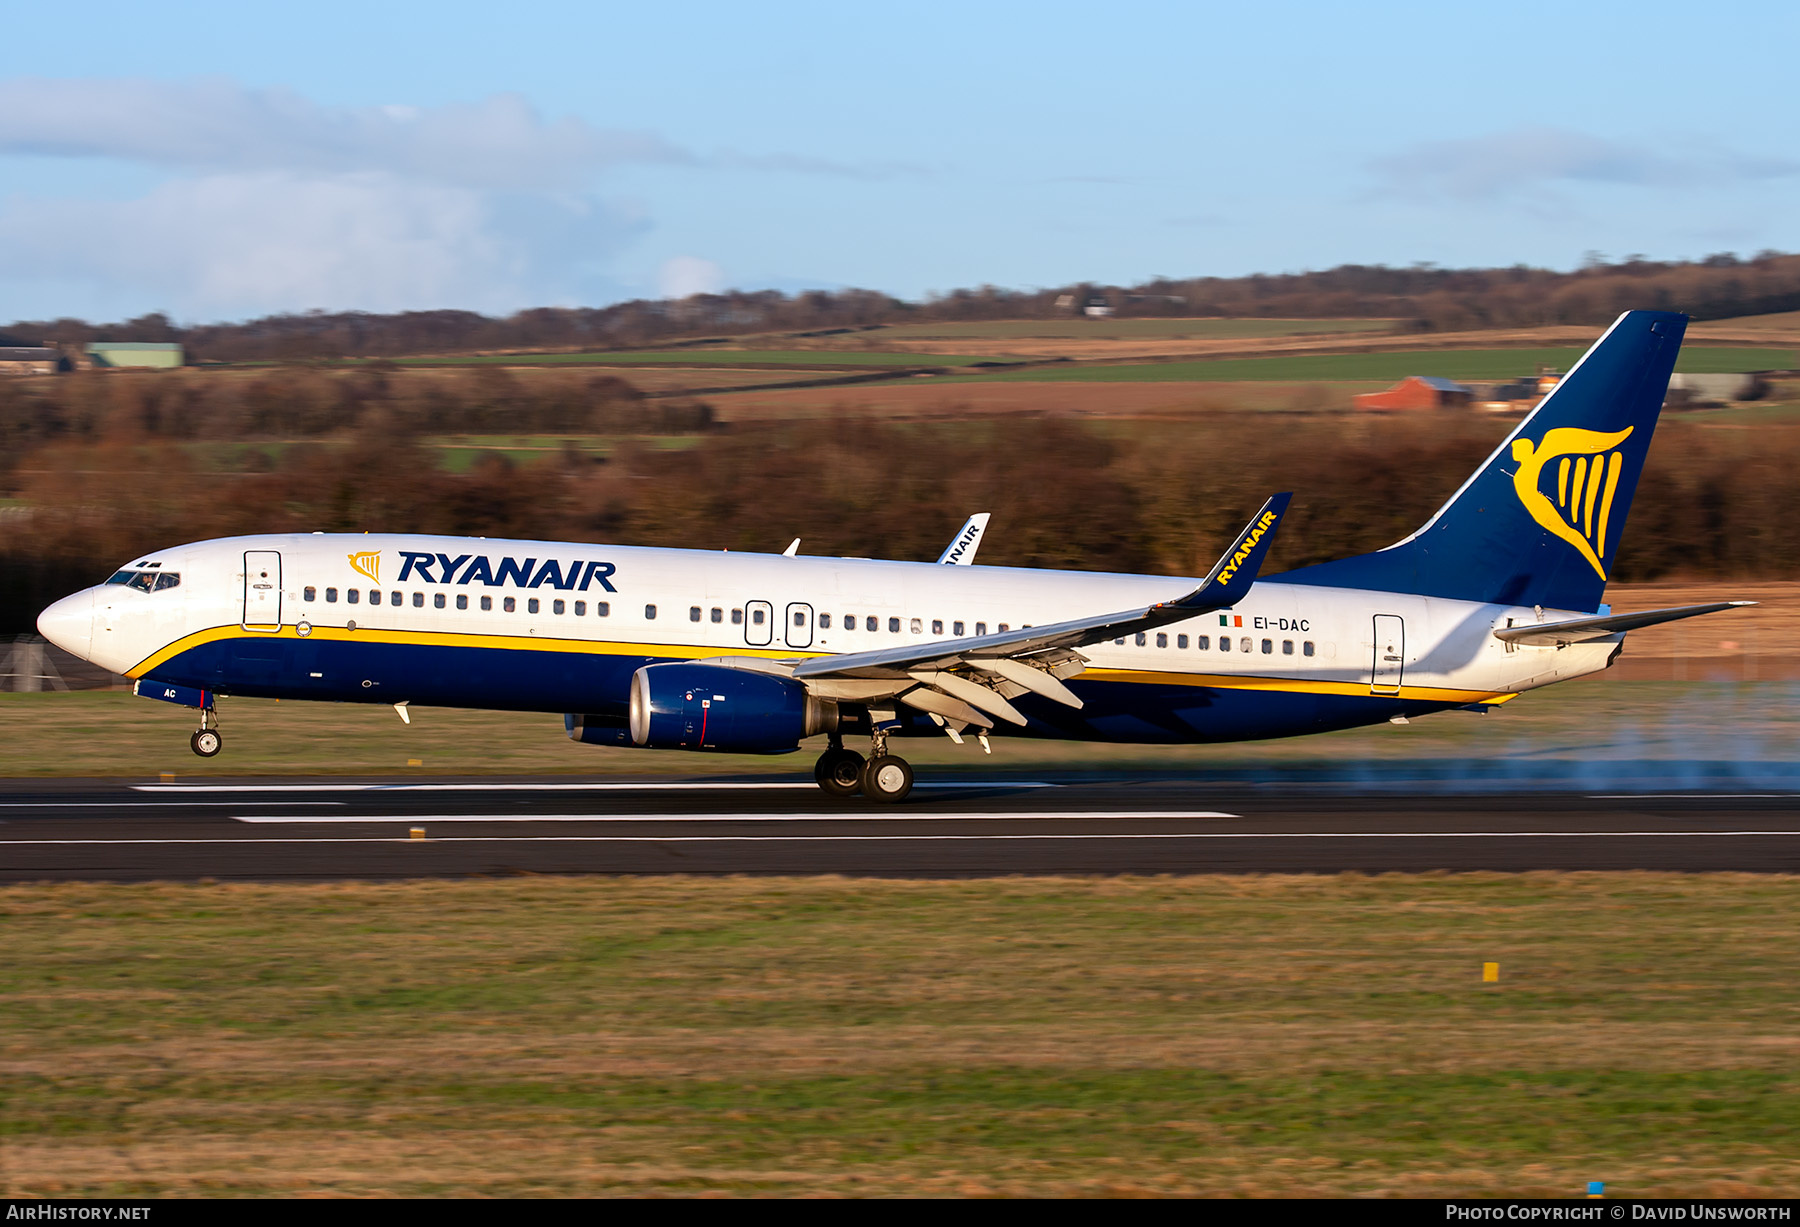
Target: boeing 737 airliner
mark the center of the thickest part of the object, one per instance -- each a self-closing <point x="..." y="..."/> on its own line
<point x="1497" y="594"/>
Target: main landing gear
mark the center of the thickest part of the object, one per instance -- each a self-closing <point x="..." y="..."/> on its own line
<point x="881" y="777"/>
<point x="206" y="741"/>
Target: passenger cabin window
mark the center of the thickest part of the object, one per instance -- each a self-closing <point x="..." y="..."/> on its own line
<point x="1306" y="649"/>
<point x="718" y="615"/>
<point x="487" y="602"/>
<point x="937" y="626"/>
<point x="462" y="600"/>
<point x="418" y="600"/>
<point x="872" y="623"/>
<point x="1268" y="647"/>
<point x="602" y="609"/>
<point x="531" y="605"/>
<point x="956" y="628"/>
<point x="396" y="599"/>
<point x="799" y="618"/>
<point x="893" y="626"/>
<point x="650" y="614"/>
<point x="1203" y="643"/>
<point x="1287" y="647"/>
<point x="693" y="613"/>
<point x="437" y="600"/>
<point x="1140" y="639"/>
<point x="581" y="609"/>
<point x="737" y="617"/>
<point x="824" y="621"/>
<point x="309" y="594"/>
<point x="918" y="627"/>
<point x="1162" y="640"/>
<point x="981" y="628"/>
<point x="353" y="595"/>
<point x="557" y="607"/>
<point x="1181" y="642"/>
<point x="374" y="596"/>
<point x="509" y="605"/>
<point x="1004" y="627"/>
<point x="1244" y="644"/>
<point x="1224" y="643"/>
<point x="331" y="596"/>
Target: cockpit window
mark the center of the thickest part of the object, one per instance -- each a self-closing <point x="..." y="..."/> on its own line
<point x="147" y="581"/>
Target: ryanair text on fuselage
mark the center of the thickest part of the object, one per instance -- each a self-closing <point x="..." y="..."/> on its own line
<point x="577" y="576"/>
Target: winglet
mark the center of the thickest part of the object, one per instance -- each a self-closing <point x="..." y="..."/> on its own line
<point x="1232" y="575"/>
<point x="962" y="547"/>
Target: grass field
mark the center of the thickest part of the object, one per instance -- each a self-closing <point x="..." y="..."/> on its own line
<point x="1230" y="1036"/>
<point x="707" y="357"/>
<point x="1114" y="329"/>
<point x="1475" y="364"/>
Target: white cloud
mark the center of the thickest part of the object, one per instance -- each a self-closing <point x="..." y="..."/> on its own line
<point x="500" y="142"/>
<point x="685" y="276"/>
<point x="243" y="244"/>
<point x="1529" y="160"/>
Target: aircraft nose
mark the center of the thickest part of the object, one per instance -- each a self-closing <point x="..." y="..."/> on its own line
<point x="69" y="623"/>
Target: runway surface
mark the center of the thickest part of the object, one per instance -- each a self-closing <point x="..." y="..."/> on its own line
<point x="325" y="829"/>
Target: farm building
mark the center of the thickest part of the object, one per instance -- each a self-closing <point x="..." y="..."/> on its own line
<point x="1417" y="392"/>
<point x="153" y="354"/>
<point x="32" y="360"/>
<point x="1693" y="389"/>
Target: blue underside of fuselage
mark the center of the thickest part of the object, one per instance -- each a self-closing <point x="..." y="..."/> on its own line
<point x="507" y="679"/>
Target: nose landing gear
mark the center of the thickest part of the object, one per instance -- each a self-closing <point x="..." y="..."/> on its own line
<point x="206" y="741"/>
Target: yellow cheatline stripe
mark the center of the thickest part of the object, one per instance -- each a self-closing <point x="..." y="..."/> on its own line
<point x="588" y="647"/>
<point x="525" y="643"/>
<point x="1214" y="681"/>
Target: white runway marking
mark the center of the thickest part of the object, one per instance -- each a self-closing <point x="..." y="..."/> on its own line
<point x="606" y="787"/>
<point x="1693" y="796"/>
<point x="777" y="839"/>
<point x="897" y="816"/>
<point x="146" y="804"/>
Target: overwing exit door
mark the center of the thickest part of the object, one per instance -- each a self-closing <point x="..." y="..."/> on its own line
<point x="262" y="590"/>
<point x="1390" y="654"/>
<point x="759" y="623"/>
<point x="799" y="625"/>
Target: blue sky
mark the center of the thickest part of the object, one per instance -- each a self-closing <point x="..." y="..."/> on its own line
<point x="219" y="161"/>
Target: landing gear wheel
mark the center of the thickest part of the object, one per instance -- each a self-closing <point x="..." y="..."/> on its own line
<point x="206" y="742"/>
<point x="886" y="778"/>
<point x="839" y="772"/>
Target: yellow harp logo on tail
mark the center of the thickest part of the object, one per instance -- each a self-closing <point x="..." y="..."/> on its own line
<point x="369" y="563"/>
<point x="1584" y="480"/>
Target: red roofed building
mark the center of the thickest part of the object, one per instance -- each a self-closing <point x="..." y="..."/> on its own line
<point x="1418" y="392"/>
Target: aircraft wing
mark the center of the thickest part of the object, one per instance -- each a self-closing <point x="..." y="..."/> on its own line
<point x="960" y="679"/>
<point x="961" y="550"/>
<point x="1580" y="630"/>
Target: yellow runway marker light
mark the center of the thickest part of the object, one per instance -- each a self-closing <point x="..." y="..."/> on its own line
<point x="1490" y="973"/>
<point x="417" y="832"/>
<point x="168" y="777"/>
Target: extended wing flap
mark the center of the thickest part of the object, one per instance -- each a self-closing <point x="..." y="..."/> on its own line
<point x="1581" y="630"/>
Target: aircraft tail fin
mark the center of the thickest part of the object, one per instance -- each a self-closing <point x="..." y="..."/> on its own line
<point x="1539" y="522"/>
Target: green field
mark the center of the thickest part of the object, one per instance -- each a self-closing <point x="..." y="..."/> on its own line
<point x="1234" y="1036"/>
<point x="800" y="359"/>
<point x="1582" y="725"/>
<point x="1473" y="364"/>
<point x="1129" y="329"/>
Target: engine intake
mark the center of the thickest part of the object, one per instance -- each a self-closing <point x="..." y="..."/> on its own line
<point x="733" y="711"/>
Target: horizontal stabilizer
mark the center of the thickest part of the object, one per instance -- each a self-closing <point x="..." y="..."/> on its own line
<point x="1581" y="630"/>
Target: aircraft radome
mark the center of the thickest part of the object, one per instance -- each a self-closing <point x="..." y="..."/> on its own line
<point x="1498" y="593"/>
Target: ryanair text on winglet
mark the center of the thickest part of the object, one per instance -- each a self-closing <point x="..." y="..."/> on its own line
<point x="1247" y="546"/>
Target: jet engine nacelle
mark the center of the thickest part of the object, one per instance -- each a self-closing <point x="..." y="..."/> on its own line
<point x="715" y="707"/>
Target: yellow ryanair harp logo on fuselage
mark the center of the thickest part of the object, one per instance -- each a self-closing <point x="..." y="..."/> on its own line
<point x="1586" y="478"/>
<point x="369" y="563"/>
